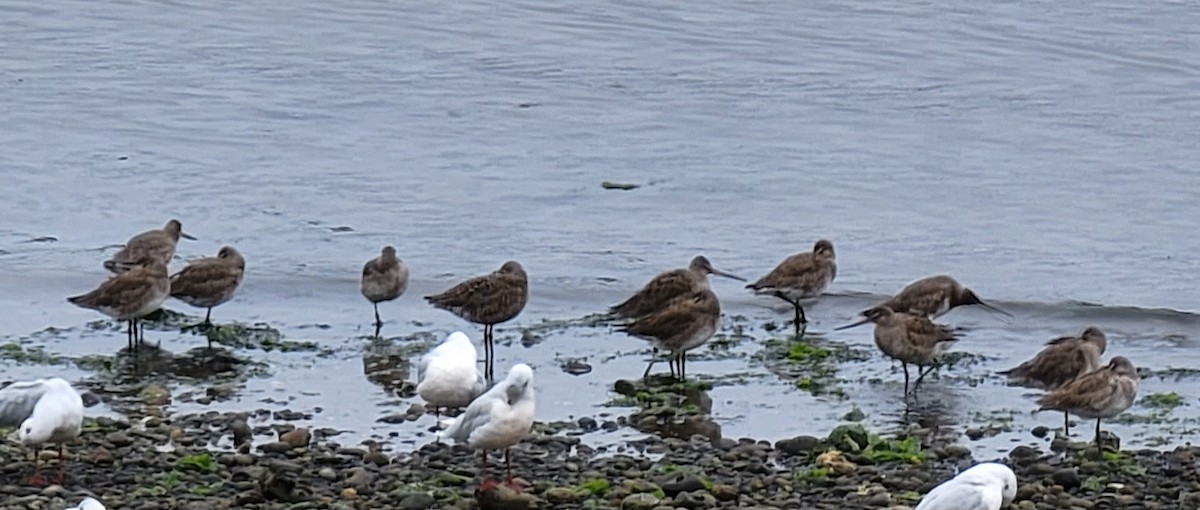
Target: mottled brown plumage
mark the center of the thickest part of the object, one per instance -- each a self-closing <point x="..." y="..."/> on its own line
<point x="210" y="281"/>
<point x="799" y="277"/>
<point x="1062" y="360"/>
<point x="156" y="244"/>
<point x="1103" y="393"/>
<point x="934" y="296"/>
<point x="668" y="286"/>
<point x="684" y="324"/>
<point x="130" y="295"/>
<point x="489" y="300"/>
<point x="910" y="339"/>
<point x="384" y="278"/>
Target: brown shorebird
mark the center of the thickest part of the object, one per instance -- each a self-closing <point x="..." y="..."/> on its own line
<point x="130" y="295"/>
<point x="209" y="281"/>
<point x="683" y="325"/>
<point x="489" y="300"/>
<point x="934" y="296"/>
<point x="156" y="244"/>
<point x="384" y="278"/>
<point x="909" y="339"/>
<point x="1103" y="393"/>
<point x="1062" y="360"/>
<point x="667" y="286"/>
<point x="800" y="277"/>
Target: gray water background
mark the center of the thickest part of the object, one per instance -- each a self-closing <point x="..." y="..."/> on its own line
<point x="1042" y="153"/>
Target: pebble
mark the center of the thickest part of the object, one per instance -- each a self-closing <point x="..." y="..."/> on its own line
<point x="640" y="501"/>
<point x="297" y="438"/>
<point x="417" y="501"/>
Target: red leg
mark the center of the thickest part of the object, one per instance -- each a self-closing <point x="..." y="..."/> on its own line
<point x="510" y="483"/>
<point x="62" y="463"/>
<point x="37" y="479"/>
<point x="487" y="483"/>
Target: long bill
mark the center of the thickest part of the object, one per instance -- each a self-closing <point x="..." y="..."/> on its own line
<point x="994" y="309"/>
<point x="187" y="236"/>
<point x="727" y="275"/>
<point x="853" y="324"/>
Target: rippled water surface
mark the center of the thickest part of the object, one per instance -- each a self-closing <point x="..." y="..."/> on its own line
<point x="1042" y="153"/>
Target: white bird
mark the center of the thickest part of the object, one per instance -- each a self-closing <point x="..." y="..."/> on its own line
<point x="45" y="410"/>
<point x="447" y="375"/>
<point x="88" y="504"/>
<point x="498" y="419"/>
<point x="987" y="486"/>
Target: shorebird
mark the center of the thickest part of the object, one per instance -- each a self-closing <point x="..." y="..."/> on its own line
<point x="130" y="295"/>
<point x="384" y="278"/>
<point x="157" y="244"/>
<point x="489" y="300"/>
<point x="683" y="325"/>
<point x="498" y="419"/>
<point x="1103" y="393"/>
<point x="934" y="296"/>
<point x="209" y="281"/>
<point x="447" y="376"/>
<point x="1062" y="360"/>
<point x="987" y="486"/>
<point x="45" y="411"/>
<point x="665" y="287"/>
<point x="909" y="339"/>
<point x="800" y="277"/>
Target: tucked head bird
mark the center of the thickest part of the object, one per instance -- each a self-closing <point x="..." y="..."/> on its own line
<point x="88" y="504"/>
<point x="668" y="286"/>
<point x="210" y="281"/>
<point x="489" y="300"/>
<point x="909" y="339"/>
<point x="44" y="411"/>
<point x="447" y="376"/>
<point x="130" y="295"/>
<point x="1062" y="360"/>
<point x="987" y="486"/>
<point x="498" y="419"/>
<point x="384" y="278"/>
<point x="934" y="296"/>
<point x="156" y="244"/>
<point x="800" y="277"/>
<point x="683" y="325"/>
<point x="1103" y="393"/>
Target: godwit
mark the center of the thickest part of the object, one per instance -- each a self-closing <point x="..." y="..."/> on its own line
<point x="130" y="295"/>
<point x="800" y="277"/>
<point x="1062" y="360"/>
<point x="909" y="339"/>
<point x="1103" y="393"/>
<point x="384" y="278"/>
<point x="934" y="296"/>
<point x="43" y="411"/>
<point x="987" y="486"/>
<point x="489" y="300"/>
<point x="497" y="420"/>
<point x="156" y="244"/>
<point x="683" y="325"/>
<point x="209" y="281"/>
<point x="664" y="288"/>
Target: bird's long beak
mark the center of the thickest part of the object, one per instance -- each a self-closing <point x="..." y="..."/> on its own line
<point x="727" y="275"/>
<point x="994" y="309"/>
<point x="187" y="236"/>
<point x="853" y="324"/>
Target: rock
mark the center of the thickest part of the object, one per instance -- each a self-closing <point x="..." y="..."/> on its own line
<point x="378" y="458"/>
<point x="359" y="477"/>
<point x="276" y="447"/>
<point x="298" y="438"/>
<point x="101" y="456"/>
<point x="724" y="492"/>
<point x="878" y="499"/>
<point x="695" y="500"/>
<point x="686" y="484"/>
<point x="954" y="451"/>
<point x="1066" y="477"/>
<point x="417" y="501"/>
<point x="1040" y="431"/>
<point x="241" y="432"/>
<point x="848" y="438"/>
<point x="799" y="445"/>
<point x="155" y="395"/>
<point x="639" y="501"/>
<point x="327" y="474"/>
<point x="119" y="439"/>
<point x="504" y="498"/>
<point x="588" y="424"/>
<point x="560" y="495"/>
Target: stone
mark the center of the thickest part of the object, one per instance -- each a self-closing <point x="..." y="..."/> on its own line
<point x="1066" y="477"/>
<point x="276" y="447"/>
<point x="725" y="492"/>
<point x="417" y="501"/>
<point x="155" y="395"/>
<point x="298" y="438"/>
<point x="560" y="495"/>
<point x="799" y="445"/>
<point x="639" y="501"/>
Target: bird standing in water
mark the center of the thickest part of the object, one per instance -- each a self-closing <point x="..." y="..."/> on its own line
<point x="800" y="277"/>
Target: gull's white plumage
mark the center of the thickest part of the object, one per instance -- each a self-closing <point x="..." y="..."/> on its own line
<point x="501" y="417"/>
<point x="88" y="504"/>
<point x="45" y="410"/>
<point x="447" y="375"/>
<point x="987" y="486"/>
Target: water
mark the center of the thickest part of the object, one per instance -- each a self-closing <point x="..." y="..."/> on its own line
<point x="1041" y="153"/>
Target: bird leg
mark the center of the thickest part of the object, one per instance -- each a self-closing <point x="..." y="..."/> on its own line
<point x="1066" y="424"/>
<point x="37" y="480"/>
<point x="129" y="333"/>
<point x="905" y="365"/>
<point x="488" y="372"/>
<point x="682" y="366"/>
<point x="921" y="373"/>
<point x="1099" y="446"/>
<point x="487" y="483"/>
<point x="653" y="360"/>
<point x="516" y="487"/>
<point x="378" y="322"/>
<point x="62" y="461"/>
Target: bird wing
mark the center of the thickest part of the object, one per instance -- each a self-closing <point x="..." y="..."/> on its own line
<point x="205" y="277"/>
<point x="1082" y="393"/>
<point x="924" y="332"/>
<point x="800" y="271"/>
<point x="667" y="322"/>
<point x="477" y="415"/>
<point x="962" y="495"/>
<point x="492" y="298"/>
<point x="125" y="287"/>
<point x="1058" y="364"/>
<point x="922" y="297"/>
<point x="18" y="400"/>
<point x="656" y="294"/>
